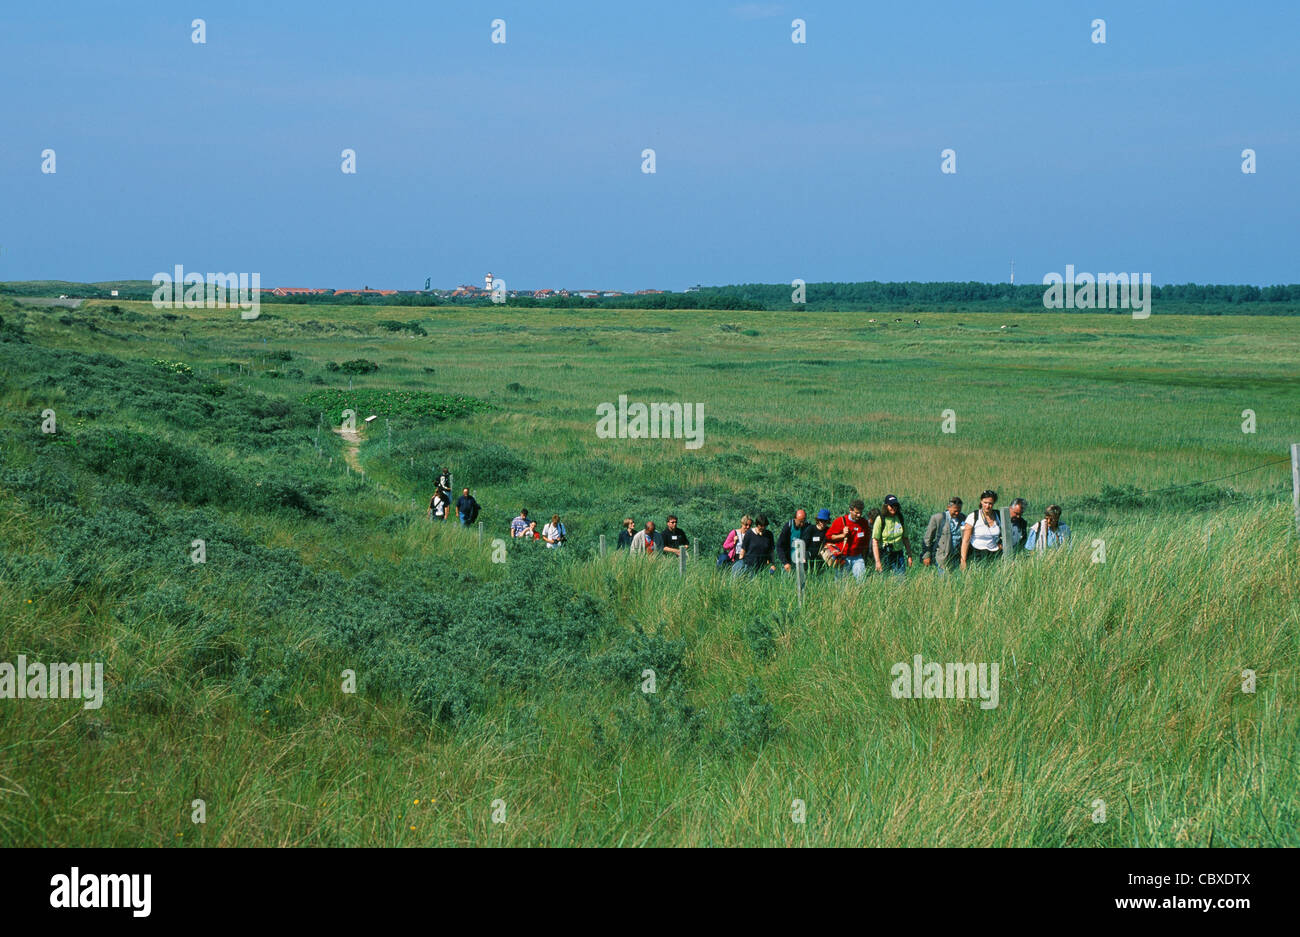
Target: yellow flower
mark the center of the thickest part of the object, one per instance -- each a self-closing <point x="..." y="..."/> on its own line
<point x="417" y="800"/>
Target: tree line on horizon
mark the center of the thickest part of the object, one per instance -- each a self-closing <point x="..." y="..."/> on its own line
<point x="867" y="296"/>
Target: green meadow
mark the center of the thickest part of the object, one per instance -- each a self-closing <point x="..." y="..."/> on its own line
<point x="504" y="703"/>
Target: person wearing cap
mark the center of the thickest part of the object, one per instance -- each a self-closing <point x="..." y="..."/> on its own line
<point x="814" y="535"/>
<point x="941" y="546"/>
<point x="790" y="531"/>
<point x="848" y="537"/>
<point x="889" y="544"/>
<point x="1049" y="532"/>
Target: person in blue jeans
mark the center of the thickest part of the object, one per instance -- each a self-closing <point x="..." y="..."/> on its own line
<point x="889" y="545"/>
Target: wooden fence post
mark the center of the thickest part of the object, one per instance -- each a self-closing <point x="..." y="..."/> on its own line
<point x="480" y="533"/>
<point x="602" y="546"/>
<point x="1008" y="532"/>
<point x="681" y="561"/>
<point x="799" y="551"/>
<point x="1295" y="483"/>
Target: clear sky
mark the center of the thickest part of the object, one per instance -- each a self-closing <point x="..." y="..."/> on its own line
<point x="774" y="160"/>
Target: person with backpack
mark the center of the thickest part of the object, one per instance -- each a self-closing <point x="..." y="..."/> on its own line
<point x="1049" y="532"/>
<point x="847" y="541"/>
<point x="1020" y="530"/>
<point x="647" y="542"/>
<point x="814" y="537"/>
<point x="731" y="544"/>
<point x="791" y="531"/>
<point x="756" y="550"/>
<point x="889" y="544"/>
<point x="440" y="506"/>
<point x="553" y="533"/>
<point x="981" y="536"/>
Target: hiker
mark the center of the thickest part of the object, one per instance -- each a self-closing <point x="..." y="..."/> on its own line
<point x="626" y="534"/>
<point x="981" y="535"/>
<point x="1049" y="532"/>
<point x="647" y="542"/>
<point x="675" y="539"/>
<point x="466" y="508"/>
<point x="731" y="545"/>
<point x="889" y="544"/>
<point x="553" y="533"/>
<point x="444" y="481"/>
<point x="756" y="549"/>
<point x="941" y="546"/>
<point x="814" y="537"/>
<point x="1020" y="528"/>
<point x="791" y="530"/>
<point x="519" y="527"/>
<point x="849" y="540"/>
<point x="439" y="506"/>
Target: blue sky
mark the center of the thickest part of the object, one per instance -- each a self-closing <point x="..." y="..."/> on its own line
<point x="774" y="160"/>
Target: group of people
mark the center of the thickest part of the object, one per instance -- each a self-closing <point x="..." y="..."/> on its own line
<point x="440" y="506"/>
<point x="846" y="544"/>
<point x="552" y="534"/>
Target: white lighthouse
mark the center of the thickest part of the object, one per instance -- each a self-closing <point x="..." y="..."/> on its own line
<point x="487" y="283"/>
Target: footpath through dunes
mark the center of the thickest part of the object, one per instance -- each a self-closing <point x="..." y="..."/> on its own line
<point x="352" y="445"/>
<point x="525" y="680"/>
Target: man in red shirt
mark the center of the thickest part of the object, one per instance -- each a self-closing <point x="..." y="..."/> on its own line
<point x="850" y="537"/>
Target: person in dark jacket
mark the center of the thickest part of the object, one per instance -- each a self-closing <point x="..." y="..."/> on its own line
<point x="790" y="531"/>
<point x="626" y="534"/>
<point x="757" y="550"/>
<point x="466" y="508"/>
<point x="941" y="546"/>
<point x="814" y="535"/>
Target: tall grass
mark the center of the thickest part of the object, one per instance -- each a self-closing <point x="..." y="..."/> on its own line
<point x="523" y="681"/>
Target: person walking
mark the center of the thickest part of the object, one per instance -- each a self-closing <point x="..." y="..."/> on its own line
<point x="519" y="527"/>
<point x="889" y="544"/>
<point x="466" y="508"/>
<point x="849" y="537"/>
<point x="553" y="534"/>
<point x="791" y="531"/>
<point x="1019" y="529"/>
<point x="941" y="546"/>
<point x="626" y="534"/>
<point x="731" y="545"/>
<point x="647" y="542"/>
<point x="1048" y="533"/>
<point x="675" y="539"/>
<point x="756" y="550"/>
<point x="814" y="536"/>
<point x="981" y="536"/>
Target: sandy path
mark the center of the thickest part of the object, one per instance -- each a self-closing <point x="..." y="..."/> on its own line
<point x="353" y="440"/>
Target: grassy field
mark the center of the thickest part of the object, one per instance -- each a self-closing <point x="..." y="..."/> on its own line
<point x="513" y="691"/>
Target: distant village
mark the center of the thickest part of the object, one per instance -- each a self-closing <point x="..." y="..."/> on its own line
<point x="467" y="291"/>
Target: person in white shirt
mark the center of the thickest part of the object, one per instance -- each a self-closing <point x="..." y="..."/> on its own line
<point x="981" y="536"/>
<point x="553" y="533"/>
<point x="647" y="542"/>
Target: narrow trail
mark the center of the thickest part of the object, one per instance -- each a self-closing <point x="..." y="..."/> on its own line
<point x="353" y="440"/>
